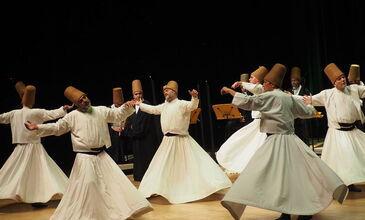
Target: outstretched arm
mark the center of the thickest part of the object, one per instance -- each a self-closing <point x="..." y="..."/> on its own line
<point x="236" y="84"/>
<point x="253" y="88"/>
<point x="58" y="128"/>
<point x="47" y="115"/>
<point x="226" y="90"/>
<point x="68" y="107"/>
<point x="130" y="103"/>
<point x="6" y="117"/>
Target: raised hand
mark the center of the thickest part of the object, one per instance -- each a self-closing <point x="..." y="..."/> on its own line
<point x="68" y="107"/>
<point x="130" y="103"/>
<point x="226" y="90"/>
<point x="236" y="84"/>
<point x="137" y="102"/>
<point x="193" y="93"/>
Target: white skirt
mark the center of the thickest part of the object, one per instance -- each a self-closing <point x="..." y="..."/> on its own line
<point x="237" y="150"/>
<point x="99" y="190"/>
<point x="181" y="171"/>
<point x="285" y="175"/>
<point x="30" y="175"/>
<point x="344" y="152"/>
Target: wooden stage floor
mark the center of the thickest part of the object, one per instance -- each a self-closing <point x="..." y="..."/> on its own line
<point x="206" y="209"/>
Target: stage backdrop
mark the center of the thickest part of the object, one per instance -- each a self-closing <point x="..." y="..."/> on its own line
<point x="98" y="45"/>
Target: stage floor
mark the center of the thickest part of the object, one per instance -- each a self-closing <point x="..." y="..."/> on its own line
<point x="205" y="209"/>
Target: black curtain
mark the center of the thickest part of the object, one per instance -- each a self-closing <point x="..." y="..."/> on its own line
<point x="98" y="45"/>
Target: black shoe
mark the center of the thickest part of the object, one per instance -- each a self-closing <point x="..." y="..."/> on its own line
<point x="304" y="217"/>
<point x="284" y="216"/>
<point x="353" y="188"/>
<point x="39" y="205"/>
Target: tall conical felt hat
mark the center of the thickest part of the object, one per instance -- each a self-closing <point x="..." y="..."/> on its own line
<point x="73" y="94"/>
<point x="354" y="73"/>
<point x="276" y="75"/>
<point x="29" y="96"/>
<point x="333" y="72"/>
<point x="171" y="85"/>
<point x="20" y="87"/>
<point x="244" y="77"/>
<point x="136" y="86"/>
<point x="260" y="73"/>
<point x="295" y="73"/>
<point x="118" y="96"/>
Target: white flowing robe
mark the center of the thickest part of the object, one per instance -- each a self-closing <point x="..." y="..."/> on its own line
<point x="284" y="175"/>
<point x="343" y="151"/>
<point x="238" y="149"/>
<point x="98" y="189"/>
<point x="181" y="171"/>
<point x="29" y="174"/>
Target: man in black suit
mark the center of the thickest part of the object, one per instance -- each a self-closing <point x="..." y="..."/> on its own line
<point x="301" y="125"/>
<point x="142" y="133"/>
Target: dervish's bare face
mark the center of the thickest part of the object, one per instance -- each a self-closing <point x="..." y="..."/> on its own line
<point x="340" y="83"/>
<point x="83" y="104"/>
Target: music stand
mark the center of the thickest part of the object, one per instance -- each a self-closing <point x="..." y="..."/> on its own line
<point x="194" y="116"/>
<point x="226" y="111"/>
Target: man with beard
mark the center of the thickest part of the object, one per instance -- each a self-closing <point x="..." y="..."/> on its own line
<point x="343" y="148"/>
<point x="181" y="171"/>
<point x="97" y="188"/>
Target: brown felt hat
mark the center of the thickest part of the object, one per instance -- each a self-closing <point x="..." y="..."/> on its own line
<point x="276" y="75"/>
<point x="244" y="77"/>
<point x="118" y="95"/>
<point x="295" y="73"/>
<point x="260" y="73"/>
<point x="29" y="96"/>
<point x="354" y="73"/>
<point x="20" y="87"/>
<point x="333" y="72"/>
<point x="73" y="94"/>
<point x="136" y="86"/>
<point x="171" y="85"/>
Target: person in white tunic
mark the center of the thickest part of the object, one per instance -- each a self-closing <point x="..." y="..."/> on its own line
<point x="116" y="151"/>
<point x="181" y="171"/>
<point x="30" y="175"/>
<point x="98" y="189"/>
<point x="284" y="174"/>
<point x="343" y="147"/>
<point x="238" y="149"/>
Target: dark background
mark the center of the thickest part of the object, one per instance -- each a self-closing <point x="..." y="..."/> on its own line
<point x="98" y="45"/>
